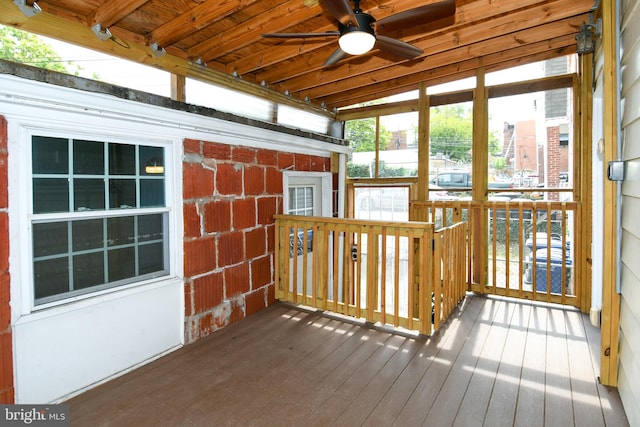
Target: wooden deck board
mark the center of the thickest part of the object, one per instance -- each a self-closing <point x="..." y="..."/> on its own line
<point x="531" y="392"/>
<point x="495" y="362"/>
<point x="476" y="354"/>
<point x="415" y="411"/>
<point x="558" y="403"/>
<point x="502" y="405"/>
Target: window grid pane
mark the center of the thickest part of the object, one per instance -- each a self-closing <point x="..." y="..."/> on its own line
<point x="78" y="175"/>
<point x="301" y="201"/>
<point x="114" y="260"/>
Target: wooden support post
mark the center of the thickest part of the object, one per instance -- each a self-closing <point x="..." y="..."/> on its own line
<point x="178" y="84"/>
<point x="480" y="170"/>
<point x="610" y="298"/>
<point x="582" y="176"/>
<point x="423" y="143"/>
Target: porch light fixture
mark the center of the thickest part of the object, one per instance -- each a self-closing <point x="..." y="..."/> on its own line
<point x="586" y="38"/>
<point x="357" y="42"/>
<point x="153" y="166"/>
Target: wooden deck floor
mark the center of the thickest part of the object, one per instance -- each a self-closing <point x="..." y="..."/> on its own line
<point x="496" y="362"/>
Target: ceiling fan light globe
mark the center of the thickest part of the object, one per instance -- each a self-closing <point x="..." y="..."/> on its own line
<point x="357" y="42"/>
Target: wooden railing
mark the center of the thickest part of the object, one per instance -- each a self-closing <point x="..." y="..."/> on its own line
<point x="518" y="249"/>
<point x="401" y="274"/>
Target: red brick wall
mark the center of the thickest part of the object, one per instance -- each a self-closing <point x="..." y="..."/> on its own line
<point x="6" y="354"/>
<point x="230" y="196"/>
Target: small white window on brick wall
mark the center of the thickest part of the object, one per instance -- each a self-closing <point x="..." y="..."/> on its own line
<point x="99" y="216"/>
<point x="307" y="193"/>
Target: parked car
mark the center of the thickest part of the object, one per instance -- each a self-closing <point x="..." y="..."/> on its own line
<point x="393" y="198"/>
<point x="451" y="178"/>
<point x="382" y="198"/>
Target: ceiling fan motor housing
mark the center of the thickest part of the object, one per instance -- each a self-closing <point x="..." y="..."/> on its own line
<point x="364" y="23"/>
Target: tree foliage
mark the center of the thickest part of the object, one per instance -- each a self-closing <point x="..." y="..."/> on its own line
<point x="27" y="48"/>
<point x="451" y="131"/>
<point x="361" y="134"/>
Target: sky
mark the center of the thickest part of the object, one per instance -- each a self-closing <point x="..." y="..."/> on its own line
<point x="114" y="70"/>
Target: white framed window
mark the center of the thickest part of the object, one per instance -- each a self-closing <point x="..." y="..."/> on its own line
<point x="98" y="214"/>
<point x="307" y="193"/>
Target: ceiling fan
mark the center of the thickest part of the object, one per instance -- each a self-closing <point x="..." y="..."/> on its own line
<point x="359" y="32"/>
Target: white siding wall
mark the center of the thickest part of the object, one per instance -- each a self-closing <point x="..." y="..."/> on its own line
<point x="629" y="372"/>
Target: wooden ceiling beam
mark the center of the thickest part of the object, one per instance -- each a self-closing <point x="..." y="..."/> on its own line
<point x="195" y="19"/>
<point x="508" y="24"/>
<point x="250" y="31"/>
<point x="112" y="11"/>
<point x="443" y="74"/>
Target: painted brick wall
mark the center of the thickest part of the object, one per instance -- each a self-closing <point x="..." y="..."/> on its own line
<point x="6" y="355"/>
<point x="230" y="196"/>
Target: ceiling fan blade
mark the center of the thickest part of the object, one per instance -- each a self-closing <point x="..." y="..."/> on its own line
<point x="336" y="56"/>
<point x="300" y="35"/>
<point x="417" y="16"/>
<point x="341" y="10"/>
<point x="397" y="47"/>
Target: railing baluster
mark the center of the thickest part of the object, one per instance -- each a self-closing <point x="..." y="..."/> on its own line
<point x="521" y="242"/>
<point x="314" y="267"/>
<point x="410" y="281"/>
<point x="548" y="275"/>
<point x="422" y="283"/>
<point x="294" y="285"/>
<point x="396" y="280"/>
<point x="305" y="246"/>
<point x="507" y="244"/>
<point x="358" y="283"/>
<point x="383" y="278"/>
<point x="372" y="255"/>
<point x="436" y="295"/>
<point x="563" y="265"/>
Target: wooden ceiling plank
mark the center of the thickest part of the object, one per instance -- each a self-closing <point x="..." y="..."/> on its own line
<point x="475" y="22"/>
<point x="509" y="45"/>
<point x="195" y="19"/>
<point x="493" y="61"/>
<point x="356" y="98"/>
<point x="81" y="35"/>
<point x="112" y="11"/>
<point x="466" y="14"/>
<point x="535" y="18"/>
<point x="450" y="72"/>
<point x="277" y="20"/>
